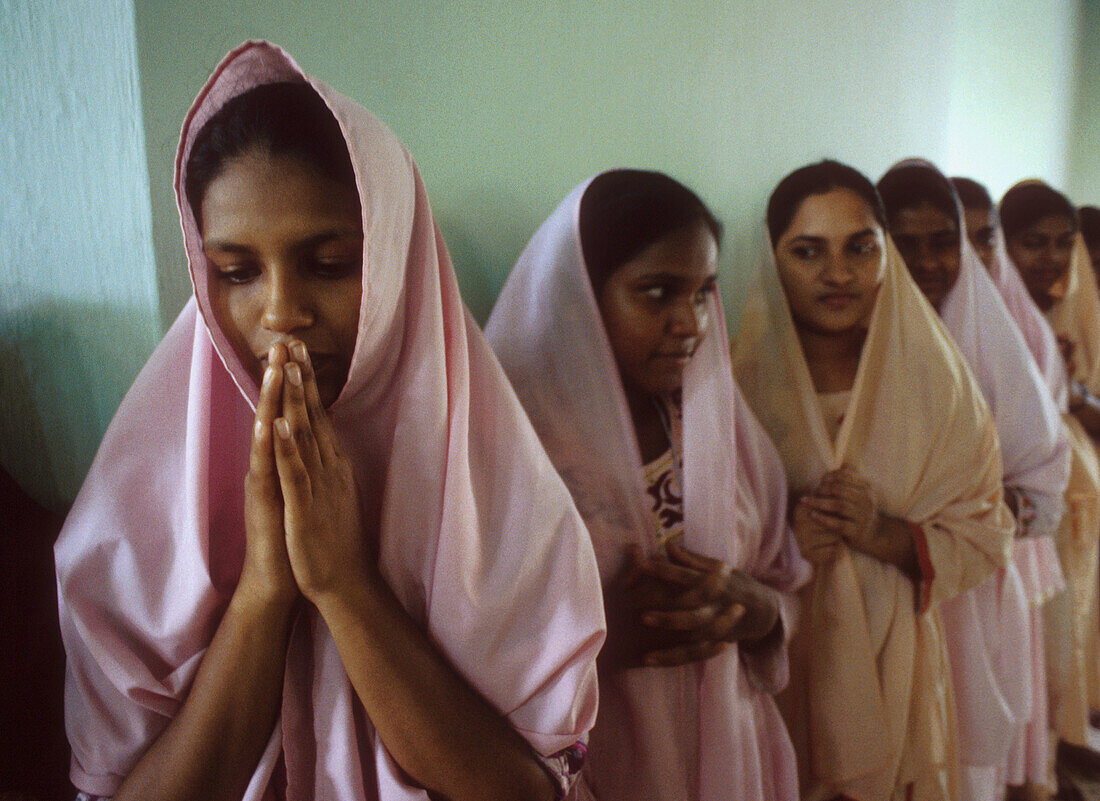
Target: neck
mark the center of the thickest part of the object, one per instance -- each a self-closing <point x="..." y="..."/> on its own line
<point x="833" y="359"/>
<point x="648" y="427"/>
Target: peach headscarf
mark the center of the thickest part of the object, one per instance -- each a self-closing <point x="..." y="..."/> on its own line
<point x="875" y="712"/>
<point x="707" y="731"/>
<point x="473" y="529"/>
<point x="987" y="628"/>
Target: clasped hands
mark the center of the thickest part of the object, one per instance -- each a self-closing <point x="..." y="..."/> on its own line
<point x="840" y="510"/>
<point x="680" y="607"/>
<point x="303" y="522"/>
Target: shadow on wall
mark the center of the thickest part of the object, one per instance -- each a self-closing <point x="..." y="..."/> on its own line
<point x="65" y="368"/>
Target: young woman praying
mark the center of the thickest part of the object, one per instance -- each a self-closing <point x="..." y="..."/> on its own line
<point x="321" y="553"/>
<point x="994" y="632"/>
<point x="893" y="457"/>
<point x="612" y="334"/>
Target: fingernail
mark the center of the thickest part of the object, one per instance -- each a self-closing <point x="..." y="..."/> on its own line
<point x="269" y="375"/>
<point x="271" y="352"/>
<point x="294" y="374"/>
<point x="299" y="351"/>
<point x="258" y="429"/>
<point x="282" y="425"/>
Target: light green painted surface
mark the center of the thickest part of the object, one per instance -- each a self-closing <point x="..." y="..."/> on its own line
<point x="1084" y="183"/>
<point x="78" y="306"/>
<point x="505" y="106"/>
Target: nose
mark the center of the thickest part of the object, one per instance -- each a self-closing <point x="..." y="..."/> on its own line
<point x="837" y="271"/>
<point x="688" y="319"/>
<point x="285" y="306"/>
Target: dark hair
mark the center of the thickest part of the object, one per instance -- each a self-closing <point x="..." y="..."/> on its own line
<point x="909" y="185"/>
<point x="1089" y="218"/>
<point x="972" y="194"/>
<point x="817" y="179"/>
<point x="286" y="119"/>
<point x="1026" y="203"/>
<point x="625" y="211"/>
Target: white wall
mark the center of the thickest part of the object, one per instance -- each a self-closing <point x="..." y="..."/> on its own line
<point x="1013" y="91"/>
<point x="78" y="309"/>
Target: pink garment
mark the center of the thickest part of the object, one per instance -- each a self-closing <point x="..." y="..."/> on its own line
<point x="988" y="628"/>
<point x="1033" y="325"/>
<point x="706" y="731"/>
<point x="474" y="531"/>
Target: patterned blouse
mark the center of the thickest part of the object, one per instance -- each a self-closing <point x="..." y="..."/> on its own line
<point x="662" y="478"/>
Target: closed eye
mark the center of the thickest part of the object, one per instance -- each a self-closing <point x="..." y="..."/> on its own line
<point x="241" y="273"/>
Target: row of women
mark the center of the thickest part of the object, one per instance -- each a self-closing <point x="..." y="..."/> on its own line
<point x="339" y="544"/>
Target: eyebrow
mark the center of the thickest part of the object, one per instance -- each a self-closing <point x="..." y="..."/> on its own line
<point x="225" y="246"/>
<point x="821" y="238"/>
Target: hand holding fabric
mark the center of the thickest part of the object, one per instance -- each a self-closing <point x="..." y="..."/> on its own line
<point x="843" y="505"/>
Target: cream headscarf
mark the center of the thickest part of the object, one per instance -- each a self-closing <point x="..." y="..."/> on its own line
<point x="472" y="528"/>
<point x="877" y="700"/>
<point x="987" y="628"/>
<point x="706" y="731"/>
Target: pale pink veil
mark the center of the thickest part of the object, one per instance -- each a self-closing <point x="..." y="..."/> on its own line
<point x="1033" y="325"/>
<point x="547" y="330"/>
<point x="473" y="529"/>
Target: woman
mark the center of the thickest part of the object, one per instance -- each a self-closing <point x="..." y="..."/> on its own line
<point x="887" y="441"/>
<point x="402" y="561"/>
<point x="1042" y="242"/>
<point x="990" y="246"/>
<point x="611" y="331"/>
<point x="997" y="663"/>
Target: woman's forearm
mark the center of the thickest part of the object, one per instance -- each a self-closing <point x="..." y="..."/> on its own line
<point x="437" y="728"/>
<point x="211" y="747"/>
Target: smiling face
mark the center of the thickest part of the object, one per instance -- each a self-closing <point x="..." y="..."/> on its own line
<point x="284" y="247"/>
<point x="1041" y="253"/>
<point x="654" y="308"/>
<point x="830" y="262"/>
<point x="929" y="242"/>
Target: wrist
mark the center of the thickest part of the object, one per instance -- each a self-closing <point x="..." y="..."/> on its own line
<point x="257" y="599"/>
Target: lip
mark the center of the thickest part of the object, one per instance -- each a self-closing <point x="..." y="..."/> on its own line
<point x="838" y="300"/>
<point x="680" y="358"/>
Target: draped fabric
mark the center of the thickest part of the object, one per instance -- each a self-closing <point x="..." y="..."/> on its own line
<point x="870" y="700"/>
<point x="1072" y="619"/>
<point x="473" y="529"/>
<point x="988" y="629"/>
<point x="704" y="731"/>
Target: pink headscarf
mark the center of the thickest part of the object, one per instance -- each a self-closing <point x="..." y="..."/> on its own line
<point x="708" y="730"/>
<point x="473" y="529"/>
<point x="1033" y="325"/>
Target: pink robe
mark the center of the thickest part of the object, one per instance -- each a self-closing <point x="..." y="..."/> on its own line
<point x="473" y="529"/>
<point x="706" y="731"/>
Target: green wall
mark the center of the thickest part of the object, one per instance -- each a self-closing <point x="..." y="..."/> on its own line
<point x="78" y="304"/>
<point x="506" y="106"/>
